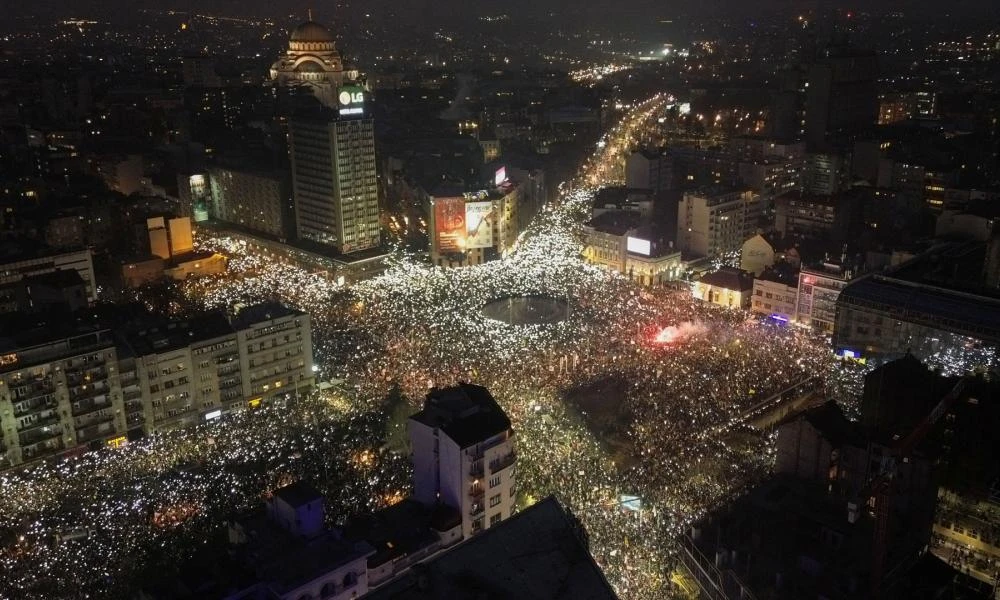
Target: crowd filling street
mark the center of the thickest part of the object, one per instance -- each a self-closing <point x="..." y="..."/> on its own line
<point x="683" y="371"/>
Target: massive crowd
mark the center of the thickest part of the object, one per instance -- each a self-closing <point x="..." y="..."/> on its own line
<point x="675" y="444"/>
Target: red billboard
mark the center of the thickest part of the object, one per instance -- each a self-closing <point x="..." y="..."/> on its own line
<point x="449" y="224"/>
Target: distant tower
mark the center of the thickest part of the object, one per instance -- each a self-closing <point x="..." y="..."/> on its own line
<point x="312" y="61"/>
<point x="463" y="455"/>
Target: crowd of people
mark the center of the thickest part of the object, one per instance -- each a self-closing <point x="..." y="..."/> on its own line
<point x="680" y="452"/>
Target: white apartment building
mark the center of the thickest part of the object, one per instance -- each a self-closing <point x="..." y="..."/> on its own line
<point x="63" y="391"/>
<point x="275" y="347"/>
<point x="716" y="220"/>
<point x="178" y="388"/>
<point x="58" y="390"/>
<point x="463" y="456"/>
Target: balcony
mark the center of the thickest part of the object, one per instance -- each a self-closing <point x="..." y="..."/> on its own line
<point x="40" y="434"/>
<point x="503" y="462"/>
<point x="93" y="418"/>
<point x="33" y="452"/>
<point x="476" y="469"/>
<point x="89" y="405"/>
<point x="86" y="392"/>
<point x="42" y="386"/>
<point x="93" y="432"/>
<point x="26" y="407"/>
<point x="477" y="493"/>
<point x="86" y="374"/>
<point x="477" y="509"/>
<point x="44" y="421"/>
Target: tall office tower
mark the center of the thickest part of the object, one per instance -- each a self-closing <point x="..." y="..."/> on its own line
<point x="334" y="185"/>
<point x="463" y="456"/>
<point x="841" y="95"/>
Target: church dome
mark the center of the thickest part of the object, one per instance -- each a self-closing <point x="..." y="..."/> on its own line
<point x="312" y="32"/>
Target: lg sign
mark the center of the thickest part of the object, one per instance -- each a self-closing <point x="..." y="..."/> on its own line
<point x="348" y="98"/>
<point x="352" y="101"/>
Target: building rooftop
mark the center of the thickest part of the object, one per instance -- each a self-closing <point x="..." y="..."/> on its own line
<point x="285" y="561"/>
<point x="30" y="339"/>
<point x="830" y="421"/>
<point x="729" y="278"/>
<point x="298" y="494"/>
<point x="773" y="541"/>
<point x="615" y="222"/>
<point x="171" y="335"/>
<point x="59" y="278"/>
<point x="402" y="529"/>
<point x="259" y="313"/>
<point x="967" y="314"/>
<point x="538" y="554"/>
<point x="714" y="191"/>
<point x="466" y="413"/>
<point x="781" y="272"/>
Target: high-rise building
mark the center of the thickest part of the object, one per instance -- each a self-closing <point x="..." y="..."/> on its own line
<point x="463" y="456"/>
<point x="199" y="71"/>
<point x="841" y="94"/>
<point x="334" y="184"/>
<point x="716" y="220"/>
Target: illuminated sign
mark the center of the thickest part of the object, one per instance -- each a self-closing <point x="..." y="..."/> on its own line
<point x="215" y="414"/>
<point x="253" y="403"/>
<point x="479" y="224"/>
<point x="638" y="246"/>
<point x="8" y="359"/>
<point x="449" y="224"/>
<point x="352" y="101"/>
<point x="500" y="176"/>
<point x="117" y="442"/>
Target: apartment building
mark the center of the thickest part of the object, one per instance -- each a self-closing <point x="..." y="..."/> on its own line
<point x="463" y="456"/>
<point x="67" y="386"/>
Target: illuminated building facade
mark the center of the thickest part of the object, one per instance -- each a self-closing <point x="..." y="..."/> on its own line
<point x="476" y="227"/>
<point x="729" y="287"/>
<point x="64" y="389"/>
<point x="334" y="181"/>
<point x="275" y="344"/>
<point x="463" y="456"/>
<point x="818" y="289"/>
<point x="912" y="308"/>
<point x="256" y="201"/>
<point x="775" y="294"/>
<point x="312" y="61"/>
<point x="59" y="390"/>
<point x="716" y="220"/>
<point x="616" y="240"/>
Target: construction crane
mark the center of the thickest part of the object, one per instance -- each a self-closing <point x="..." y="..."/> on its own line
<point x="882" y="486"/>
